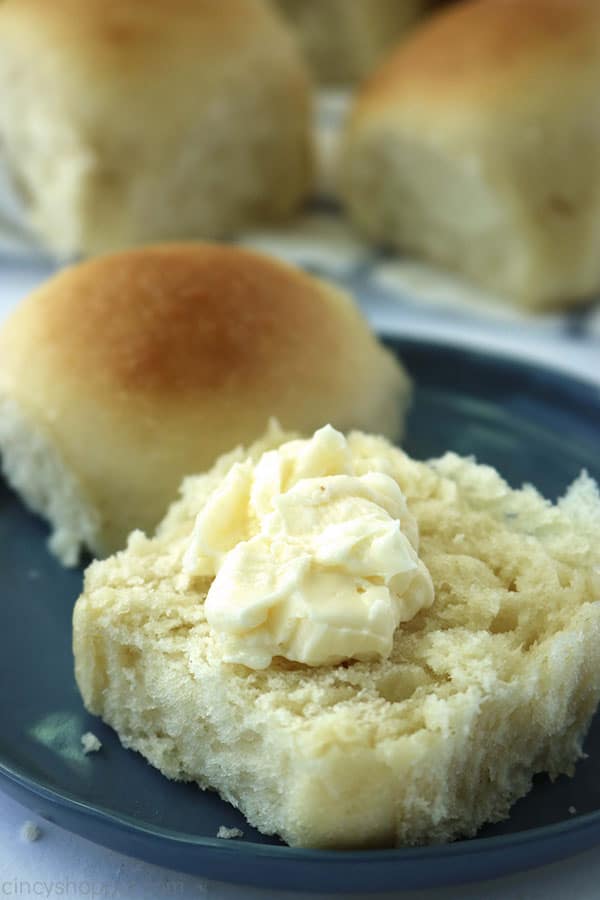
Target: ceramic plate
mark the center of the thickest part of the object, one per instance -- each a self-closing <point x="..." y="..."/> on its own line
<point x="534" y="426"/>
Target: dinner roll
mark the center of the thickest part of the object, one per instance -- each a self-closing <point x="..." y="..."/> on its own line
<point x="123" y="374"/>
<point x="343" y="41"/>
<point x="492" y="684"/>
<point x="124" y="121"/>
<point x="477" y="146"/>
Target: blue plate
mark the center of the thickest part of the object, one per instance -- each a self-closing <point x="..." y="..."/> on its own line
<point x="533" y="425"/>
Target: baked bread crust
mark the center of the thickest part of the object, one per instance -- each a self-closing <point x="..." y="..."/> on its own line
<point x="133" y="370"/>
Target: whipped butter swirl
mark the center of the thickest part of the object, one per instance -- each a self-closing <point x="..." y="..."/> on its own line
<point x="311" y="561"/>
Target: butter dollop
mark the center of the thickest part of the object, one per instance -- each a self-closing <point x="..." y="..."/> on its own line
<point x="311" y="560"/>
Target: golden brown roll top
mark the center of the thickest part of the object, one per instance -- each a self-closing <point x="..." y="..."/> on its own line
<point x="136" y="369"/>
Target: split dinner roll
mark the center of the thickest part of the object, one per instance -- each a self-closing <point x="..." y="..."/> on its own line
<point x="477" y="146"/>
<point x="343" y="41"/>
<point x="493" y="683"/>
<point x="128" y="121"/>
<point x="122" y="375"/>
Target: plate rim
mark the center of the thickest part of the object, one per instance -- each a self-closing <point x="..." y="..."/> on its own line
<point x="457" y="848"/>
<point x="517" y="357"/>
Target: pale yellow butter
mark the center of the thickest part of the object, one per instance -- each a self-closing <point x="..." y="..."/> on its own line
<point x="311" y="560"/>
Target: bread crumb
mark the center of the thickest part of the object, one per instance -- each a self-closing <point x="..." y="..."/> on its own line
<point x="572" y="810"/>
<point x="228" y="833"/>
<point x="30" y="832"/>
<point x="90" y="743"/>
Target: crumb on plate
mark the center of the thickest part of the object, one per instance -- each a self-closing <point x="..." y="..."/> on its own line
<point x="90" y="743"/>
<point x="229" y="833"/>
<point x="30" y="832"/>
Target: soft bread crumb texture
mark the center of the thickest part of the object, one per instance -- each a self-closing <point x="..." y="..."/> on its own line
<point x="34" y="467"/>
<point x="123" y="374"/>
<point x="459" y="148"/>
<point x="495" y="682"/>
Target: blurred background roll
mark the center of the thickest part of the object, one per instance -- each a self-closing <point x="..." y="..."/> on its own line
<point x="477" y="146"/>
<point x="122" y="121"/>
